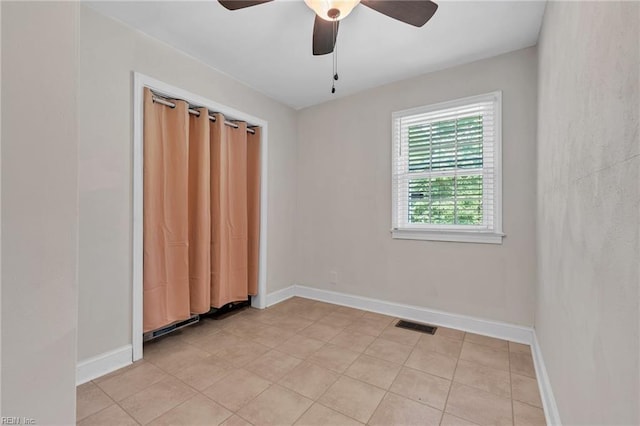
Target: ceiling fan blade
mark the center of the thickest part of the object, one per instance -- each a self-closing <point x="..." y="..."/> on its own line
<point x="241" y="4"/>
<point x="324" y="36"/>
<point x="413" y="12"/>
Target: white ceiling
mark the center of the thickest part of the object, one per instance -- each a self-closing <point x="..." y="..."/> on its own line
<point x="268" y="47"/>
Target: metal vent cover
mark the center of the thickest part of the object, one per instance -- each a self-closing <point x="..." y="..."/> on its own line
<point x="422" y="328"/>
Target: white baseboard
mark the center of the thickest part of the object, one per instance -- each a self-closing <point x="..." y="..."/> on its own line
<point x="102" y="364"/>
<point x="544" y="385"/>
<point x="501" y="330"/>
<point x="108" y="362"/>
<point x="281" y="295"/>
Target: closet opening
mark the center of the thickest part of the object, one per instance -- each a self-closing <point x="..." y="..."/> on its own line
<point x="199" y="210"/>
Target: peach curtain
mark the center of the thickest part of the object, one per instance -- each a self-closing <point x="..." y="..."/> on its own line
<point x="166" y="230"/>
<point x="229" y="220"/>
<point x="201" y="212"/>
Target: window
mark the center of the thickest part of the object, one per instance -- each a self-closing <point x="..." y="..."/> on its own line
<point x="446" y="171"/>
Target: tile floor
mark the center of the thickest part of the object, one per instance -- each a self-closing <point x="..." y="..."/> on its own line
<point x="311" y="363"/>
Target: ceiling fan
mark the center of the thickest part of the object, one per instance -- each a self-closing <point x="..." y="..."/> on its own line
<point x="329" y="12"/>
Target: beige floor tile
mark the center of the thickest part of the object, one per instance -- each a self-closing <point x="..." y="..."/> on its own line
<point x="290" y="406"/>
<point x="236" y="420"/>
<point x="378" y="317"/>
<point x="319" y="303"/>
<point x="389" y="350"/>
<point x="450" y="333"/>
<point x="352" y="398"/>
<point x="273" y="365"/>
<point x="396" y="410"/>
<point x="484" y="378"/>
<point x="381" y="319"/>
<point x="352" y="340"/>
<point x="422" y="387"/>
<point x="202" y="374"/>
<point x="352" y="312"/>
<point x="333" y="357"/>
<point x="439" y="344"/>
<point x="201" y="330"/>
<point x="374" y="371"/>
<point x="316" y="311"/>
<point x="492" y="342"/>
<point x="309" y="380"/>
<point x="216" y="356"/>
<point x="338" y="319"/>
<point x="526" y="415"/>
<point x="267" y="316"/>
<point x="478" y="406"/>
<point x="449" y="420"/>
<point x="292" y="301"/>
<point x="90" y="399"/>
<point x="522" y="363"/>
<point x="525" y="389"/>
<point x="157" y="399"/>
<point x="519" y="347"/>
<point x="113" y="415"/>
<point x="291" y="322"/>
<point x="400" y="335"/>
<point x="484" y="355"/>
<point x="301" y="301"/>
<point x="195" y="340"/>
<point x="320" y="331"/>
<point x="272" y="336"/>
<point x="285" y="308"/>
<point x="239" y="387"/>
<point x="319" y="415"/>
<point x="243" y="327"/>
<point x="368" y="326"/>
<point x="160" y="343"/>
<point x="174" y="358"/>
<point x="432" y="363"/>
<point x="132" y="381"/>
<point x="300" y="346"/>
<point x="242" y="353"/>
<point x="196" y="411"/>
<point x="217" y="342"/>
<point x="250" y="311"/>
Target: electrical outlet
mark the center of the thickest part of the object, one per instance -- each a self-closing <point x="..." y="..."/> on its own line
<point x="333" y="278"/>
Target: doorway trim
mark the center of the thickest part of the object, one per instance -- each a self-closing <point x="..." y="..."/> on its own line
<point x="140" y="81"/>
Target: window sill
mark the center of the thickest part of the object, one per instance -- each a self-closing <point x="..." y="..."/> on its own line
<point x="453" y="236"/>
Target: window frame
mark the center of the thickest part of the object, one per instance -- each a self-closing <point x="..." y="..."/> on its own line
<point x="456" y="233"/>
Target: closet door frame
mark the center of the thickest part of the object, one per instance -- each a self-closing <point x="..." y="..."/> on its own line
<point x="140" y="81"/>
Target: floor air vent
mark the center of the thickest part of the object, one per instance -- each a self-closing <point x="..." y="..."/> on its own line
<point x="422" y="328"/>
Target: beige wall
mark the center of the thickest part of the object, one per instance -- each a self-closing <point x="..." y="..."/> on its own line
<point x="0" y="209"/>
<point x="39" y="210"/>
<point x="109" y="52"/>
<point x="587" y="319"/>
<point x="343" y="215"/>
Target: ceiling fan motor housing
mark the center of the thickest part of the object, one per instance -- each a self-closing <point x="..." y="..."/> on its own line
<point x="333" y="13"/>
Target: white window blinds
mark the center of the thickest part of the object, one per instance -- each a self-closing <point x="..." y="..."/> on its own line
<point x="446" y="168"/>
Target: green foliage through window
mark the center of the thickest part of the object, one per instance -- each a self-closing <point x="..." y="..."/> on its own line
<point x="454" y="149"/>
<point x="446" y="200"/>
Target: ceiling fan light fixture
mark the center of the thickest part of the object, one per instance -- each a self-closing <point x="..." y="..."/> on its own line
<point x="332" y="10"/>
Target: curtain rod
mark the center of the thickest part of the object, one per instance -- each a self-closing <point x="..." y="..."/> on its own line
<point x="197" y="113"/>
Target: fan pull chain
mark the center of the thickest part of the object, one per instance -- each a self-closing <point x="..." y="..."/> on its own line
<point x="335" y="58"/>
